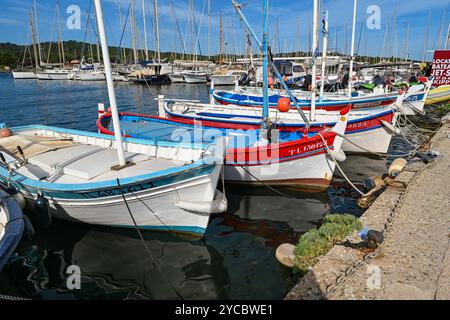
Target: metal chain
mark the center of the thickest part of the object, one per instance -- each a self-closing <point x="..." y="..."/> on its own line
<point x="332" y="288"/>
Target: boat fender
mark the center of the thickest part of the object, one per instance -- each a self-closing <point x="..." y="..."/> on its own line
<point x="5" y="132"/>
<point x="338" y="155"/>
<point x="373" y="182"/>
<point x="18" y="197"/>
<point x="285" y="255"/>
<point x="397" y="167"/>
<point x="29" y="231"/>
<point x="43" y="218"/>
<point x="208" y="207"/>
<point x="390" y="128"/>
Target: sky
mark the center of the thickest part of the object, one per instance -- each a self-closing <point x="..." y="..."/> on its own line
<point x="289" y="26"/>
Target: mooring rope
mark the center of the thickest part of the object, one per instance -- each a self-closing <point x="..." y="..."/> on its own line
<point x="12" y="298"/>
<point x="338" y="166"/>
<point x="145" y="244"/>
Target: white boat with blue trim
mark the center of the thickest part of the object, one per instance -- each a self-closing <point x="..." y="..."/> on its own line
<point x="75" y="171"/>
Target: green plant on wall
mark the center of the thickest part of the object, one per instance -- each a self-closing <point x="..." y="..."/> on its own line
<point x="317" y="242"/>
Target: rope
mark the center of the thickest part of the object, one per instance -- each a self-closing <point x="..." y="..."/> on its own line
<point x="268" y="186"/>
<point x="145" y="244"/>
<point x="338" y="166"/>
<point x="12" y="298"/>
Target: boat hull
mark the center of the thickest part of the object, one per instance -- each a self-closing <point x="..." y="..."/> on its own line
<point x="223" y="80"/>
<point x="52" y="76"/>
<point x="177" y="78"/>
<point x="153" y="80"/>
<point x="312" y="173"/>
<point x="195" y="78"/>
<point x="438" y="95"/>
<point x="368" y="132"/>
<point x="152" y="209"/>
<point x="238" y="99"/>
<point x="152" y="196"/>
<point x="23" y="75"/>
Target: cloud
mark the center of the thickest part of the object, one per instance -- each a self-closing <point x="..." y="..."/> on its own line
<point x="10" y="22"/>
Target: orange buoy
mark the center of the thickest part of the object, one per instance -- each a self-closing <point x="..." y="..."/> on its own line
<point x="284" y="104"/>
<point x="5" y="132"/>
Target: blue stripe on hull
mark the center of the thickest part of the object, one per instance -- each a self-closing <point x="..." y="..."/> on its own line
<point x="181" y="229"/>
<point x="110" y="192"/>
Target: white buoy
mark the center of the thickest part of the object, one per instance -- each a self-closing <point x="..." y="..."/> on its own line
<point x="285" y="255"/>
<point x="219" y="205"/>
<point x="338" y="155"/>
<point x="397" y="167"/>
<point x="211" y="91"/>
<point x="391" y="128"/>
<point x="161" y="111"/>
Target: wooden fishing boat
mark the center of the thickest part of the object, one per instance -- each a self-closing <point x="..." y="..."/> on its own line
<point x="77" y="173"/>
<point x="11" y="226"/>
<point x="438" y="95"/>
<point x="252" y="97"/>
<point x="296" y="159"/>
<point x="369" y="129"/>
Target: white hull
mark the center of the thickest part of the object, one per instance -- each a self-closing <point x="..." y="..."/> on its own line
<point x="312" y="171"/>
<point x="89" y="76"/>
<point x="75" y="176"/>
<point x="377" y="140"/>
<point x="52" y="76"/>
<point x="195" y="78"/>
<point x="151" y="209"/>
<point x="23" y="75"/>
<point x="177" y="78"/>
<point x="223" y="80"/>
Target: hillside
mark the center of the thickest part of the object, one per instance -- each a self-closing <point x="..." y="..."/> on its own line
<point x="12" y="54"/>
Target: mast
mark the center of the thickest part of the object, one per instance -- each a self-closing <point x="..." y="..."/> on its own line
<point x="33" y="36"/>
<point x="133" y="33"/>
<point x="314" y="49"/>
<point x="425" y="42"/>
<point x="265" y="114"/>
<point x="352" y="51"/>
<point x="144" y="19"/>
<point x="446" y="39"/>
<point x="384" y="41"/>
<point x="209" y="30"/>
<point x="220" y="39"/>
<point x="96" y="38"/>
<point x="122" y="27"/>
<point x="158" y="51"/>
<point x="324" y="53"/>
<point x="110" y="84"/>
<point x="36" y="22"/>
<point x="60" y="33"/>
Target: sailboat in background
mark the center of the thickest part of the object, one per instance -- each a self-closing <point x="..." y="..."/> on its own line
<point x="114" y="181"/>
<point x="28" y="72"/>
<point x="157" y="71"/>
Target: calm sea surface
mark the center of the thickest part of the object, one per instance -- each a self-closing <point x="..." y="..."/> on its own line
<point x="235" y="260"/>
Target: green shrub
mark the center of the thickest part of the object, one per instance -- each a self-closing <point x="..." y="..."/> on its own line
<point x="317" y="242"/>
<point x="444" y="109"/>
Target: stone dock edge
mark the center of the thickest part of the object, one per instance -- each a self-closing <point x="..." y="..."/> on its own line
<point x="413" y="262"/>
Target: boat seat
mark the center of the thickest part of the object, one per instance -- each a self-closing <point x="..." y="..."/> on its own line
<point x="33" y="145"/>
<point x="83" y="161"/>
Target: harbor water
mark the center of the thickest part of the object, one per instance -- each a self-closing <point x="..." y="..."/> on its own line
<point x="236" y="258"/>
